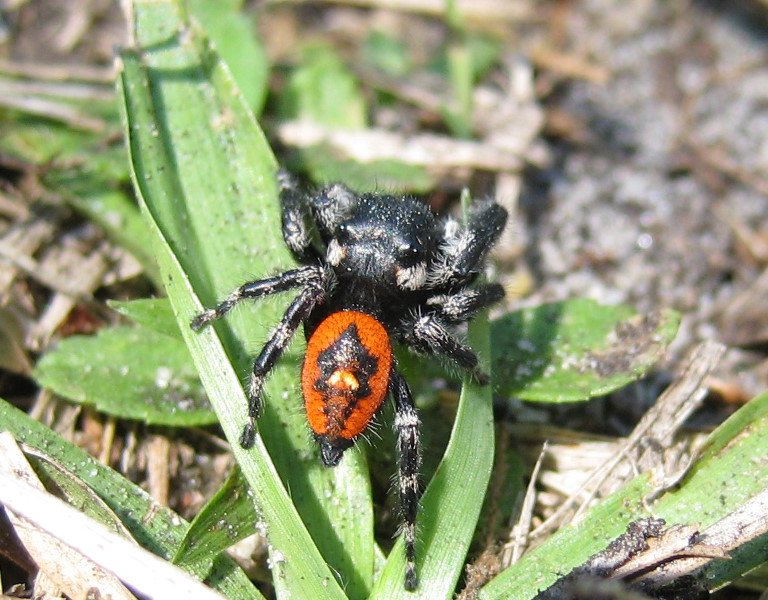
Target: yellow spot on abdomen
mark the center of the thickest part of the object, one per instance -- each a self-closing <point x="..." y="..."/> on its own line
<point x="344" y="380"/>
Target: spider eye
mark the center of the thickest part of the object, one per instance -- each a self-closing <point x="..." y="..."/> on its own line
<point x="408" y="253"/>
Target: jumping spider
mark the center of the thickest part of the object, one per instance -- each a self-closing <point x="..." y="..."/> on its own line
<point x="374" y="267"/>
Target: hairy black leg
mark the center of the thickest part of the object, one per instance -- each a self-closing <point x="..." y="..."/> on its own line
<point x="331" y="206"/>
<point x="301" y="277"/>
<point x="313" y="280"/>
<point x="297" y="230"/>
<point x="462" y="306"/>
<point x="298" y="311"/>
<point x="463" y="250"/>
<point x="407" y="425"/>
<point x="429" y="335"/>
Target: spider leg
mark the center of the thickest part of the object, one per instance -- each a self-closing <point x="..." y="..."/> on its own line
<point x="306" y="214"/>
<point x="301" y="277"/>
<point x="407" y="425"/>
<point x="297" y="230"/>
<point x="313" y="280"/>
<point x="296" y="313"/>
<point x="430" y="335"/>
<point x="462" y="306"/>
<point x="463" y="250"/>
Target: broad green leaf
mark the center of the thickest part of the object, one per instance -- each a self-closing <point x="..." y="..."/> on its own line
<point x="128" y="372"/>
<point x="155" y="527"/>
<point x="206" y="180"/>
<point x="387" y="53"/>
<point x="154" y="313"/>
<point x="571" y="351"/>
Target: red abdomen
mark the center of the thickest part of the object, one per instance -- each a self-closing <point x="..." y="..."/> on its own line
<point x="345" y="375"/>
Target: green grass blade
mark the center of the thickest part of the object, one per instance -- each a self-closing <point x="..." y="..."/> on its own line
<point x="230" y="514"/>
<point x="451" y="503"/>
<point x="297" y="565"/>
<point x="725" y="477"/>
<point x="155" y="527"/>
<point x="571" y="546"/>
<point x="730" y="471"/>
<point x="225" y="519"/>
<point x="206" y="176"/>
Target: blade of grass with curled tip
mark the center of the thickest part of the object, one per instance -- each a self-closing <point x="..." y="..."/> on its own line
<point x="205" y="177"/>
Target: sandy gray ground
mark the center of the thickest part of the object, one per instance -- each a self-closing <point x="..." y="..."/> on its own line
<point x="652" y="204"/>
